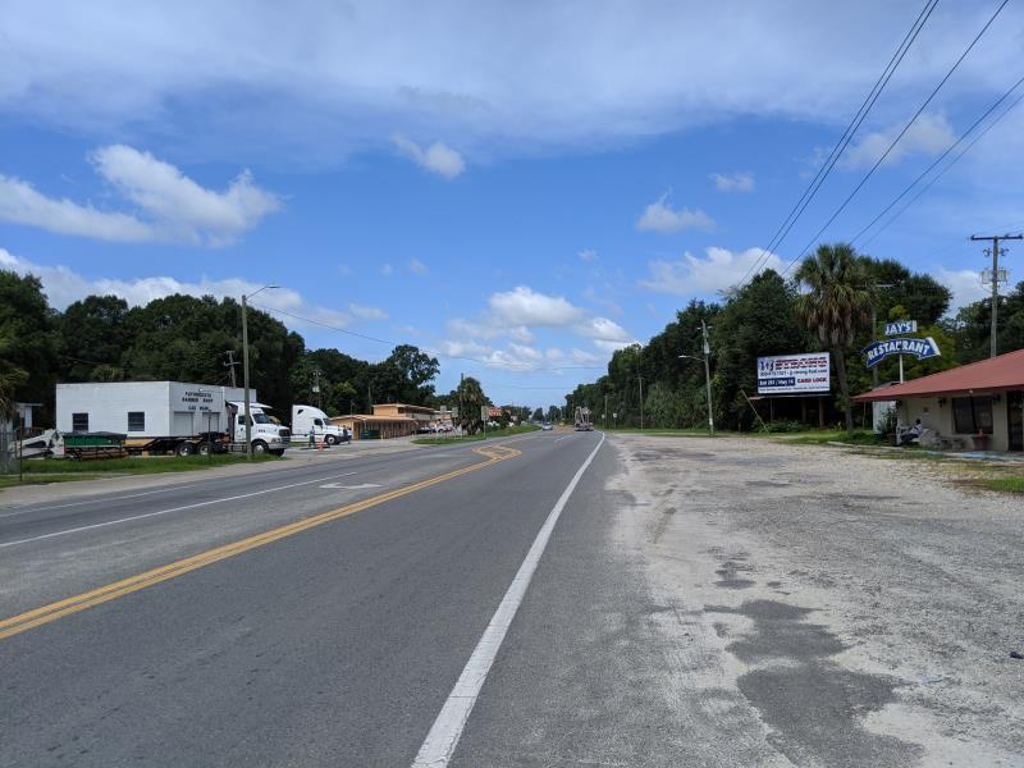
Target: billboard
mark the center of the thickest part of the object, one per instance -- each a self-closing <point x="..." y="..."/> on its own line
<point x="802" y="374"/>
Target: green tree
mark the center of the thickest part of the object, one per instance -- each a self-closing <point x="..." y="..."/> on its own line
<point x="469" y="397"/>
<point x="538" y="414"/>
<point x="759" y="320"/>
<point x="11" y="377"/>
<point x="94" y="338"/>
<point x="836" y="305"/>
<point x="32" y="346"/>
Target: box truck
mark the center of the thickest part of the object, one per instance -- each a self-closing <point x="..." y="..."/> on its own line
<point x="170" y="416"/>
<point x="308" y="419"/>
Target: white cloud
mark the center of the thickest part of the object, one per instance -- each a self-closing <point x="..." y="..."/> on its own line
<point x="524" y="306"/>
<point x="695" y="276"/>
<point x="733" y="182"/>
<point x="64" y="286"/>
<point x="387" y="270"/>
<point x="659" y="217"/>
<point x="581" y="357"/>
<point x="367" y="313"/>
<point x="168" y="206"/>
<point x="417" y="267"/>
<point x="587" y="254"/>
<point x="20" y="203"/>
<point x="965" y="285"/>
<point x="338" y="77"/>
<point x="437" y="158"/>
<point x="930" y="134"/>
<point x="603" y="329"/>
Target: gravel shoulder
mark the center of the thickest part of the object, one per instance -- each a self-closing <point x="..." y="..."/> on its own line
<point x="829" y="608"/>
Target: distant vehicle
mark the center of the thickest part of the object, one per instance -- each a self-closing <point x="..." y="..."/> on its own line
<point x="547" y="426"/>
<point x="308" y="419"/>
<point x="583" y="422"/>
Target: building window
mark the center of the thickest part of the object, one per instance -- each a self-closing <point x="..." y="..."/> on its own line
<point x="79" y="422"/>
<point x="136" y="421"/>
<point x="972" y="415"/>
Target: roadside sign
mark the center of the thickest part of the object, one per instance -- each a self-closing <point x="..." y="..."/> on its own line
<point x="793" y="374"/>
<point x="900" y="327"/>
<point x="922" y="349"/>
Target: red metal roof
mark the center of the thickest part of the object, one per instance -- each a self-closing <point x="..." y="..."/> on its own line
<point x="993" y="375"/>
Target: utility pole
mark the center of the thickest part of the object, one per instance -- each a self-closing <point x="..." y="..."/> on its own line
<point x="707" y="376"/>
<point x="641" y="380"/>
<point x="995" y="282"/>
<point x="230" y="365"/>
<point x="245" y="369"/>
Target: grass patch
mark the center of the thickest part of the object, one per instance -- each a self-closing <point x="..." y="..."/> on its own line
<point x="38" y="471"/>
<point x="1011" y="484"/>
<point x="820" y="437"/>
<point x="489" y="435"/>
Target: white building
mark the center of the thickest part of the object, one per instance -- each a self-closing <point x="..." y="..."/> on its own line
<point x="146" y="408"/>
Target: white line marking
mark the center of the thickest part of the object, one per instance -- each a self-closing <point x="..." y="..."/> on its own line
<point x="93" y="526"/>
<point x="559" y="439"/>
<point x="340" y="487"/>
<point x="440" y="744"/>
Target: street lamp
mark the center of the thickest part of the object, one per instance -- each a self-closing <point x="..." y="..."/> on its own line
<point x="245" y="368"/>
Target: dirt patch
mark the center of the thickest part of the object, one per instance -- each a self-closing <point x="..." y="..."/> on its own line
<point x="890" y="644"/>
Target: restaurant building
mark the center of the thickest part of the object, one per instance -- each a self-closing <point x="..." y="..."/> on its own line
<point x="979" y="406"/>
<point x="388" y="420"/>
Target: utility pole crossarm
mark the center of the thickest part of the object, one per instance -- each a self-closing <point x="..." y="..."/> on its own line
<point x="993" y="346"/>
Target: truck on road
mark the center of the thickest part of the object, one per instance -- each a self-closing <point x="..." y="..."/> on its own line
<point x="308" y="419"/>
<point x="159" y="417"/>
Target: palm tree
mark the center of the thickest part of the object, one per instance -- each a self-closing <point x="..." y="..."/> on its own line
<point x="837" y="304"/>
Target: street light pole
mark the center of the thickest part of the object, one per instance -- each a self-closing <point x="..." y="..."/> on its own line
<point x="245" y="369"/>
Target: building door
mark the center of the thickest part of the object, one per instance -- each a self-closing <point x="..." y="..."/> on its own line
<point x="1015" y="419"/>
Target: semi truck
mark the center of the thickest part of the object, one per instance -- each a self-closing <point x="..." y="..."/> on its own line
<point x="159" y="417"/>
<point x="308" y="419"/>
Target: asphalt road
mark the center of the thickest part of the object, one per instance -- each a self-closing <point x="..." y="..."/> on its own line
<point x="337" y="645"/>
<point x="559" y="601"/>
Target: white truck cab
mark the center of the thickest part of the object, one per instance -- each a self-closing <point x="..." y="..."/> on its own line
<point x="267" y="435"/>
<point x="308" y="419"/>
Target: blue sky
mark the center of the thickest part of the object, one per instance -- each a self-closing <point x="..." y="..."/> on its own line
<point x="525" y="185"/>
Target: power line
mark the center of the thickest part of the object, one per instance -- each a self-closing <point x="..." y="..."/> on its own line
<point x="525" y="367"/>
<point x="826" y="168"/>
<point x="942" y="157"/>
<point x="895" y="141"/>
<point x="941" y="173"/>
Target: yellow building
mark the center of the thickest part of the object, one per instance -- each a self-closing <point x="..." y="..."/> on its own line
<point x="388" y="420"/>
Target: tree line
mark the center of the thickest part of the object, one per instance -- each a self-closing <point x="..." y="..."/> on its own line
<point x="188" y="338"/>
<point x="828" y="305"/>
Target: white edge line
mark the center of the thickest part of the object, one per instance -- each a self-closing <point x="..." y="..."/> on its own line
<point x="145" y="515"/>
<point x="444" y="735"/>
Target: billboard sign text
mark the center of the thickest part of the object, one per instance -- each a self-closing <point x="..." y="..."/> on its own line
<point x="801" y="374"/>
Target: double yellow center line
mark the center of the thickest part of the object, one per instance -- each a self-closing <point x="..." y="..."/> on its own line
<point x="47" y="613"/>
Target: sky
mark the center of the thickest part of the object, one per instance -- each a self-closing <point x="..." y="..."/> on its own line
<point x="517" y="188"/>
